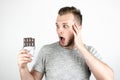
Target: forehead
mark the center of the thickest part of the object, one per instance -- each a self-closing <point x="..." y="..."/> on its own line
<point x="66" y="18"/>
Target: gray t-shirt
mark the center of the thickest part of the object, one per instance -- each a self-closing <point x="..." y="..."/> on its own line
<point x="58" y="63"/>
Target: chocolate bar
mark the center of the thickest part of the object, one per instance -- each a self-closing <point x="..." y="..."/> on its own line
<point x="29" y="42"/>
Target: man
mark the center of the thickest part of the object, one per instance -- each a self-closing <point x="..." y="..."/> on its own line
<point x="68" y="59"/>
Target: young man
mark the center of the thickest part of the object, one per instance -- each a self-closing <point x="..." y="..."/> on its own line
<point x="68" y="59"/>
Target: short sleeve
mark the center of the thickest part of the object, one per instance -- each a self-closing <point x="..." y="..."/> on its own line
<point x="95" y="52"/>
<point x="40" y="61"/>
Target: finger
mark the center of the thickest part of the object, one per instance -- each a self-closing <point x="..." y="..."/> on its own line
<point x="24" y="59"/>
<point x="78" y="28"/>
<point x="23" y="51"/>
<point x="24" y="55"/>
<point x="74" y="29"/>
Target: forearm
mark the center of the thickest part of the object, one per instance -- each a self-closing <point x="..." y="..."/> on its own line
<point x="99" y="69"/>
<point x="25" y="74"/>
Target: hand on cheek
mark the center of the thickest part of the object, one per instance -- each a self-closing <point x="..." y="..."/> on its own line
<point x="77" y="35"/>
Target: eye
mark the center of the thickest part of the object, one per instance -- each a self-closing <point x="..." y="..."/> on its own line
<point x="57" y="26"/>
<point x="65" y="26"/>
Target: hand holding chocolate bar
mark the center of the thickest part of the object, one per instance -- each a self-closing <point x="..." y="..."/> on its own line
<point x="29" y="44"/>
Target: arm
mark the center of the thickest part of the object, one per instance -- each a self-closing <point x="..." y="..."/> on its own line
<point x="100" y="70"/>
<point x="23" y="59"/>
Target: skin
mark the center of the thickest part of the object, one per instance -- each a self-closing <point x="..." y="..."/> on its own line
<point x="64" y="29"/>
<point x="70" y="31"/>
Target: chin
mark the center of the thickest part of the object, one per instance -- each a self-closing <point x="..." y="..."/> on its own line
<point x="67" y="45"/>
<point x="62" y="44"/>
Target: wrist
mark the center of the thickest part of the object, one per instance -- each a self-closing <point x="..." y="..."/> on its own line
<point x="81" y="46"/>
<point x="82" y="49"/>
<point x="23" y="70"/>
<point x="23" y="67"/>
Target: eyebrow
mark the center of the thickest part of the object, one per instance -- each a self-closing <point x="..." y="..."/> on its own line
<point x="65" y="23"/>
<point x="62" y="23"/>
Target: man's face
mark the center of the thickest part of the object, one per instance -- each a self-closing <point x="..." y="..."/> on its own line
<point x="64" y="29"/>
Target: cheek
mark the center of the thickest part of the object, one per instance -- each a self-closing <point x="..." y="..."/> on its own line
<point x="70" y="32"/>
<point x="69" y="35"/>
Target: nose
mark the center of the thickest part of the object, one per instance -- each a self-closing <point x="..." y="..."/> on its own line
<point x="60" y="30"/>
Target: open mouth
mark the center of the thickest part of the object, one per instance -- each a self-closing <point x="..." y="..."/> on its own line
<point x="62" y="39"/>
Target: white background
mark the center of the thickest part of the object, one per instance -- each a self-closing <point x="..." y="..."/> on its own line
<point x="36" y="18"/>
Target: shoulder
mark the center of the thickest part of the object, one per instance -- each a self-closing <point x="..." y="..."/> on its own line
<point x="93" y="51"/>
<point x="50" y="46"/>
<point x="90" y="48"/>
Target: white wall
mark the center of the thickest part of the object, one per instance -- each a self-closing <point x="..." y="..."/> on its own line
<point x="35" y="18"/>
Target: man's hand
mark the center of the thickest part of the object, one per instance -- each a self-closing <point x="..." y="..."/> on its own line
<point x="100" y="70"/>
<point x="77" y="35"/>
<point x="24" y="58"/>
